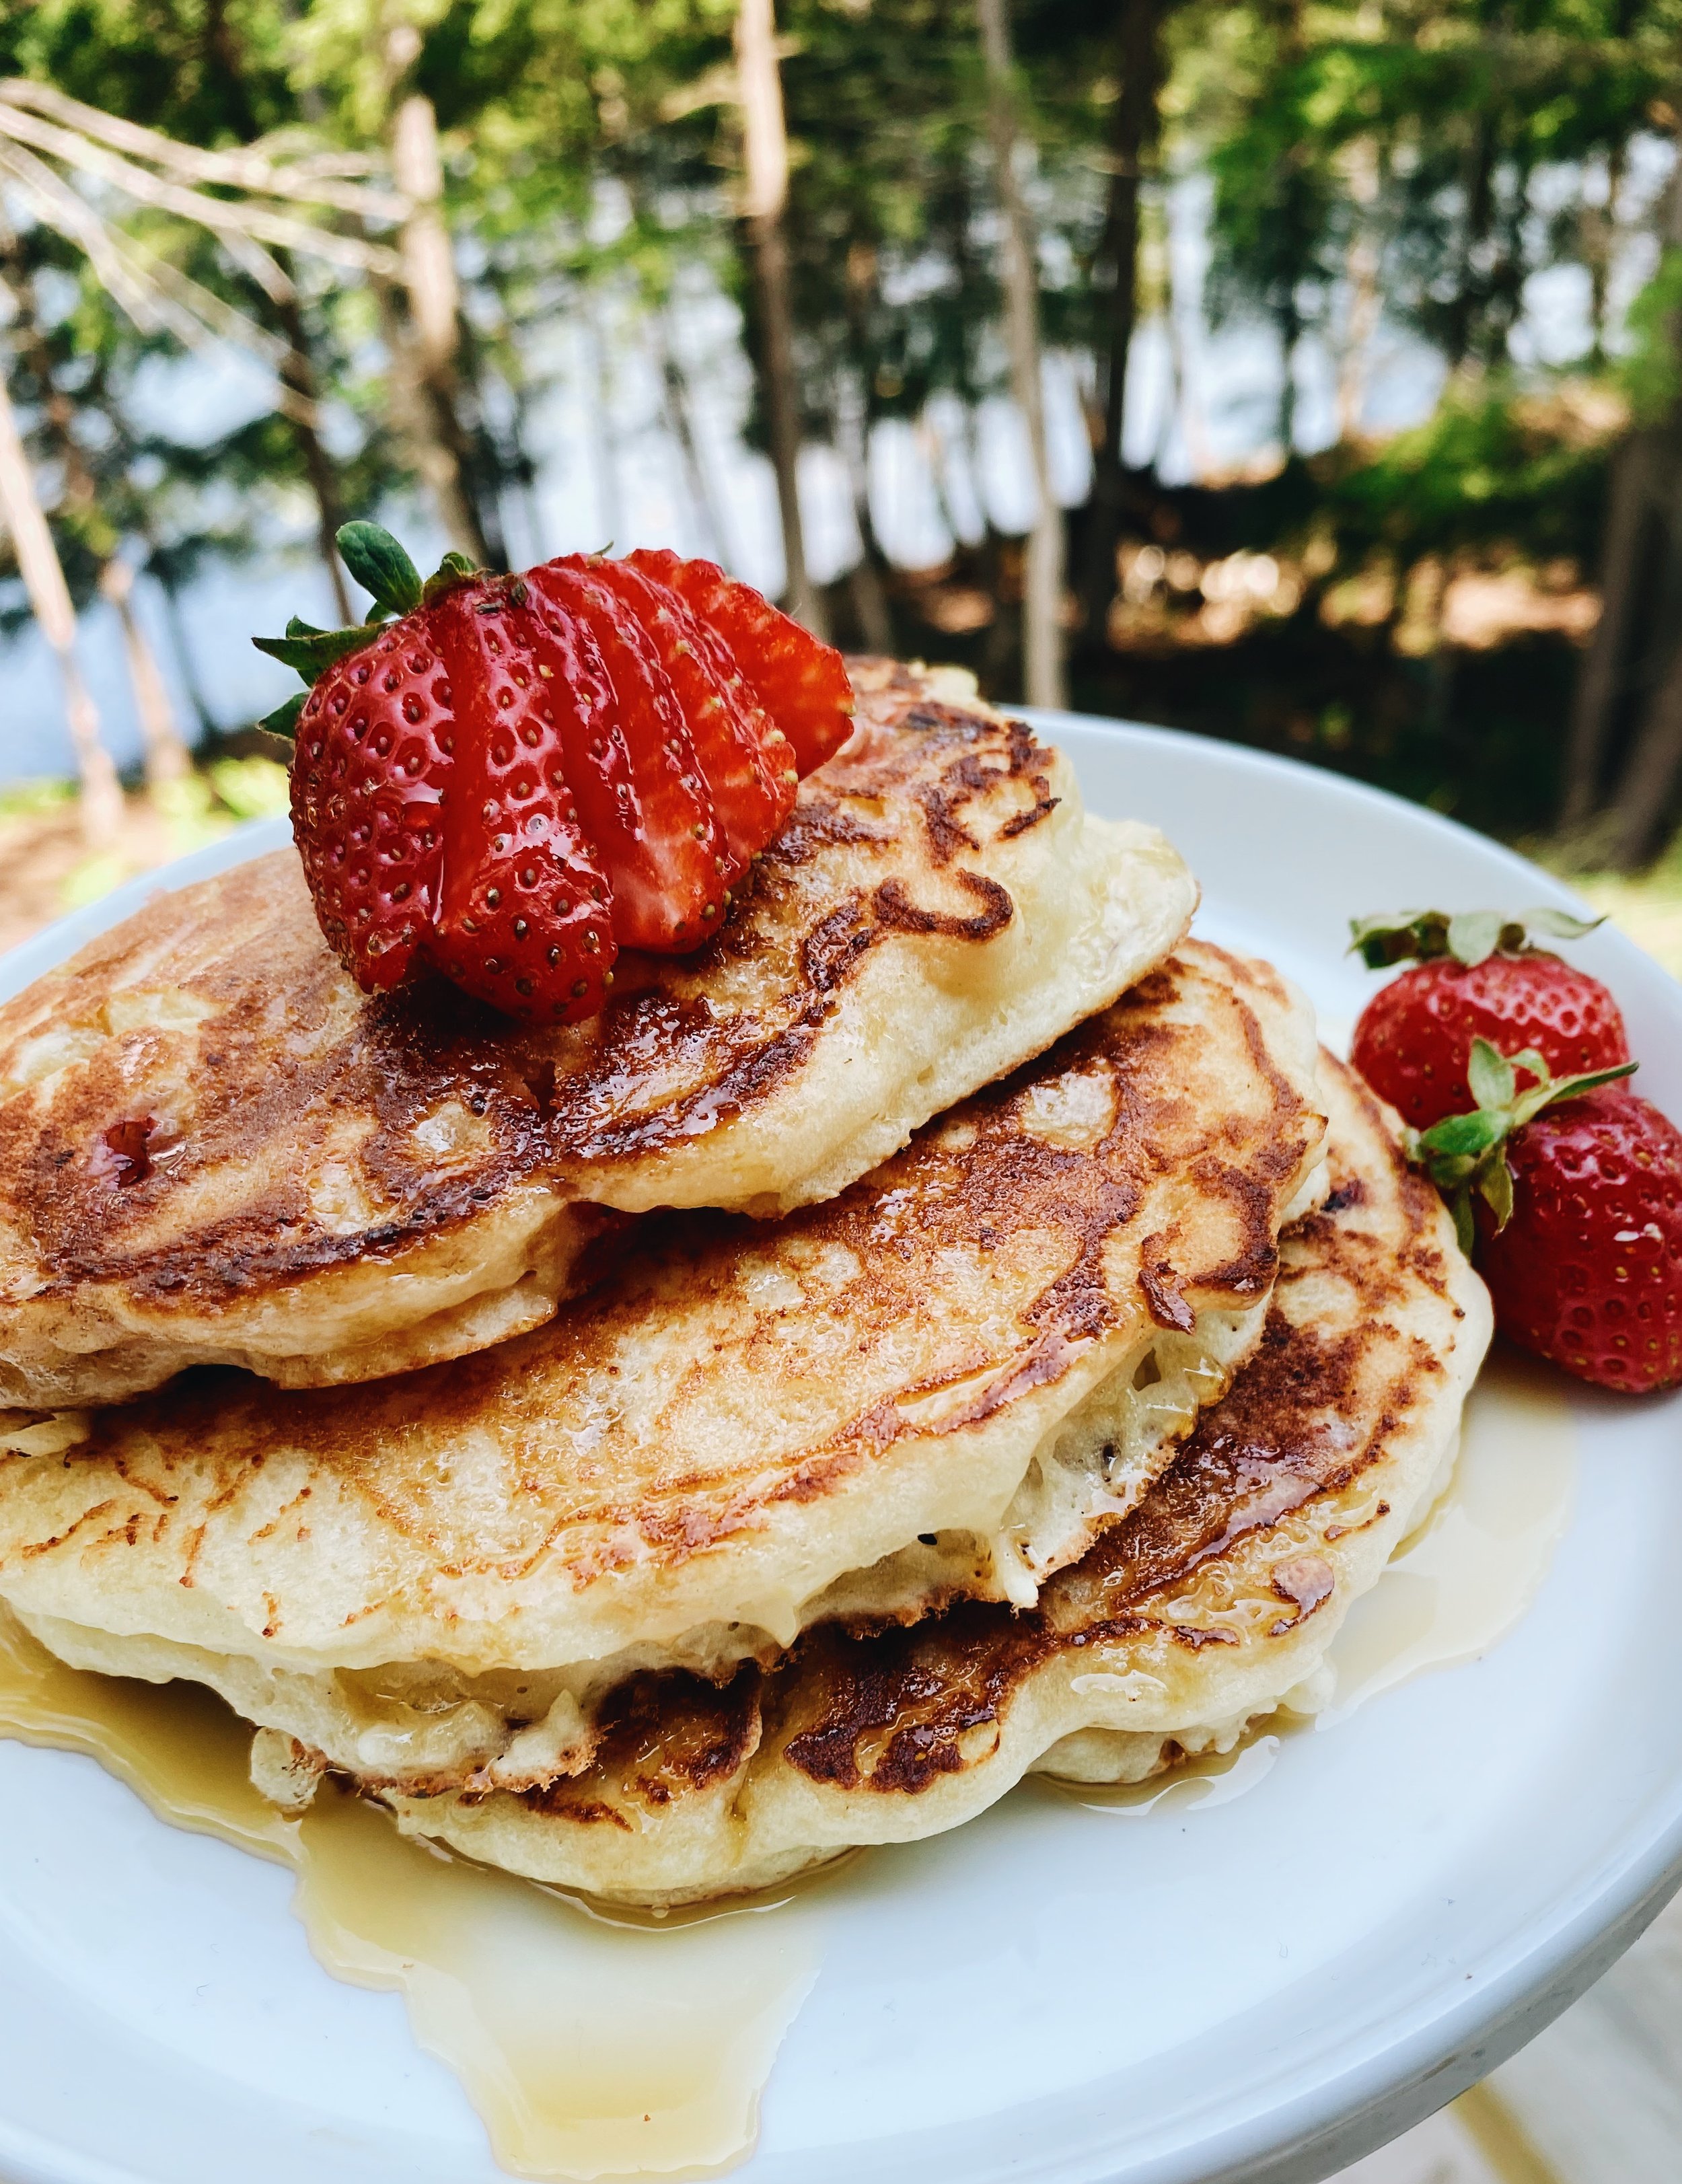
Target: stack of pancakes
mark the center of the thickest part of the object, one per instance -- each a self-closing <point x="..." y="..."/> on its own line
<point x="953" y="1325"/>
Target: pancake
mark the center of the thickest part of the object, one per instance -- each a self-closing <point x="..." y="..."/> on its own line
<point x="214" y="1149"/>
<point x="937" y="1385"/>
<point x="1207" y="1607"/>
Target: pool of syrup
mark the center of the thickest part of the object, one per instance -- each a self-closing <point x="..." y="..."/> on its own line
<point x="592" y="2047"/>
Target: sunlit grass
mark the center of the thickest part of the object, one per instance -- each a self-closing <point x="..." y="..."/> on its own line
<point x="30" y="799"/>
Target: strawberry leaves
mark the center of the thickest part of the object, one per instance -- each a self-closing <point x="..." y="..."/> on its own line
<point x="383" y="568"/>
<point x="1464" y="1153"/>
<point x="1468" y="936"/>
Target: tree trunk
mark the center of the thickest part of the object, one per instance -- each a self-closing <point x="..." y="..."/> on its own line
<point x="175" y="625"/>
<point x="298" y="372"/>
<point x="434" y="303"/>
<point x="1184" y="408"/>
<point x="765" y="147"/>
<point x="849" y="412"/>
<point x="1134" y="135"/>
<point x="1604" y="673"/>
<point x="1288" y="320"/>
<point x="865" y="588"/>
<point x="166" y="758"/>
<point x="1361" y="271"/>
<point x="1042" y="587"/>
<point x="166" y="755"/>
<point x="605" y="440"/>
<point x="714" y="530"/>
<point x="101" y="795"/>
<point x="1649" y="782"/>
<point x="1477" y="178"/>
<point x="1600" y="248"/>
<point x="1649" y="779"/>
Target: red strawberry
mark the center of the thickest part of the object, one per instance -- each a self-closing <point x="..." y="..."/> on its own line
<point x="1480" y="979"/>
<point x="801" y="684"/>
<point x="1588" y="1272"/>
<point x="522" y="918"/>
<point x="747" y="762"/>
<point x="373" y="751"/>
<point x="641" y="797"/>
<point x="520" y="775"/>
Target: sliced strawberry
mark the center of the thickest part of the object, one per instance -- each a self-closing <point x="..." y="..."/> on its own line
<point x="513" y="777"/>
<point x="746" y="761"/>
<point x="641" y="797"/>
<point x="374" y="741"/>
<point x="525" y="917"/>
<point x="801" y="683"/>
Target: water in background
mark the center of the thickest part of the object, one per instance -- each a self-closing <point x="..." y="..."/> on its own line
<point x="608" y="472"/>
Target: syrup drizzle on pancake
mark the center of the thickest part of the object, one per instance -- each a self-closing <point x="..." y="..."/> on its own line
<point x="1469" y="1571"/>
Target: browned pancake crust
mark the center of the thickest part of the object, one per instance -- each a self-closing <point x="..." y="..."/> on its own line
<point x="286" y="1050"/>
<point x="895" y="1710"/>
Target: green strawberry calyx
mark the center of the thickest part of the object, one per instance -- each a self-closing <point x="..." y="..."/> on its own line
<point x="1464" y="1153"/>
<point x="1467" y="936"/>
<point x="382" y="568"/>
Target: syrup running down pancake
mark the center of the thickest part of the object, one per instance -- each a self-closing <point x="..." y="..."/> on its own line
<point x="214" y="1149"/>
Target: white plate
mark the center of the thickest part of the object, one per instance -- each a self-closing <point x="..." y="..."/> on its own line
<point x="1262" y="1990"/>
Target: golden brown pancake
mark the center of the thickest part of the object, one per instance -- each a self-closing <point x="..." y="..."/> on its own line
<point x="1191" y="1616"/>
<point x="214" y="1149"/>
<point x="938" y="1383"/>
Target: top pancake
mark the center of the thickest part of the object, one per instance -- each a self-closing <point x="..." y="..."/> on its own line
<point x="214" y="1149"/>
<point x="684" y="1464"/>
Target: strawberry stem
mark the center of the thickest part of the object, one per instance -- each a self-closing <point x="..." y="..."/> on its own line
<point x="310" y="652"/>
<point x="1467" y="1153"/>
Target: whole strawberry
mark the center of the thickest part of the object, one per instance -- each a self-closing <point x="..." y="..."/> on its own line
<point x="518" y="776"/>
<point x="1478" y="976"/>
<point x="1577" y="1227"/>
<point x="1588" y="1270"/>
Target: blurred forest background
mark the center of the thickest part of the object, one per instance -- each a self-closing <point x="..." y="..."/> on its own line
<point x="1305" y="375"/>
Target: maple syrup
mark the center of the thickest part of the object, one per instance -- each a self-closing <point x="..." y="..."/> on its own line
<point x="591" y="2047"/>
<point x="1458" y="1584"/>
<point x="1454" y="1587"/>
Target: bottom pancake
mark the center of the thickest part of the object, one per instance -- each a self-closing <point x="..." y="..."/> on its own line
<point x="1203" y="1609"/>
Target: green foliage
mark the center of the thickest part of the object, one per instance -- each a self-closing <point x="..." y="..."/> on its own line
<point x="1651" y="371"/>
<point x="1492" y="466"/>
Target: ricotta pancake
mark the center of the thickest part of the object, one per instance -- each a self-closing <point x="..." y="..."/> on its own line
<point x="937" y="1385"/>
<point x="1206" y="1608"/>
<point x="214" y="1149"/>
